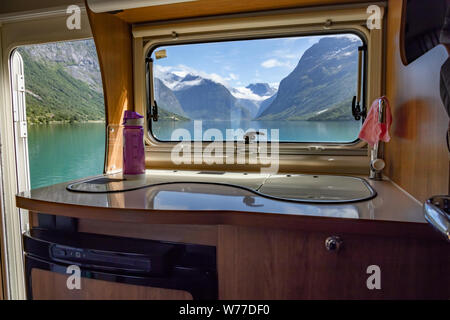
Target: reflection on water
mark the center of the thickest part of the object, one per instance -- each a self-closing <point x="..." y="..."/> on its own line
<point x="63" y="152"/>
<point x="289" y="131"/>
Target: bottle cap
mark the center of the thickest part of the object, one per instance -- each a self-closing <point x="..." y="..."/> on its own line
<point x="132" y="118"/>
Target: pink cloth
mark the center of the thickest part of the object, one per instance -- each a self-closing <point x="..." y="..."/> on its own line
<point x="372" y="131"/>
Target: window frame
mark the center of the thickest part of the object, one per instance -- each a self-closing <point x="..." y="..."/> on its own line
<point x="360" y="35"/>
<point x="300" y="21"/>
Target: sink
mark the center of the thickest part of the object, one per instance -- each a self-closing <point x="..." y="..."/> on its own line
<point x="317" y="188"/>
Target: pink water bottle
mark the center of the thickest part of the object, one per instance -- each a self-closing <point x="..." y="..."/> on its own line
<point x="133" y="145"/>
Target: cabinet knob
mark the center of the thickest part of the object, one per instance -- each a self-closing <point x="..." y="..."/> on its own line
<point x="333" y="243"/>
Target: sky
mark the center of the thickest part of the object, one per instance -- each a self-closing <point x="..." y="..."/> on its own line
<point x="238" y="63"/>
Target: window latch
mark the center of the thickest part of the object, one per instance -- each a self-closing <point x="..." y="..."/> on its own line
<point x="154" y="112"/>
<point x="153" y="108"/>
<point x="357" y="111"/>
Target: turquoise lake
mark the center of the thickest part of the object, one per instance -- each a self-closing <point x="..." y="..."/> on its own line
<point x="289" y="131"/>
<point x="63" y="152"/>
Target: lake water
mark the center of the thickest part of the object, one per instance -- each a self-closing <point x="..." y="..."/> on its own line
<point x="63" y="152"/>
<point x="289" y="131"/>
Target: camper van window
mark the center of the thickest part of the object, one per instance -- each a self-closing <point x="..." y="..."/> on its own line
<point x="302" y="86"/>
<point x="65" y="110"/>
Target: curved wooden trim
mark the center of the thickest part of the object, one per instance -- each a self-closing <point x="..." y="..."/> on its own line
<point x="113" y="41"/>
<point x="234" y="218"/>
<point x="401" y="37"/>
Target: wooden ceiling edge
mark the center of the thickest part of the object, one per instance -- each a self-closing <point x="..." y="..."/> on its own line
<point x="250" y="12"/>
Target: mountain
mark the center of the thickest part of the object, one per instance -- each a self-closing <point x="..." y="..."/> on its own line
<point x="251" y="105"/>
<point x="321" y="86"/>
<point x="262" y="89"/>
<point x="63" y="87"/>
<point x="167" y="101"/>
<point x="204" y="99"/>
<point x="253" y="95"/>
<point x="77" y="58"/>
<point x="63" y="84"/>
<point x="189" y="86"/>
<point x="265" y="104"/>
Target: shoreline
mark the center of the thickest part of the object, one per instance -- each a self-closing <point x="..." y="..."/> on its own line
<point x="67" y="122"/>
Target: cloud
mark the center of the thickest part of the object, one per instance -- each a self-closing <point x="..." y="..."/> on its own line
<point x="290" y="56"/>
<point x="181" y="74"/>
<point x="162" y="72"/>
<point x="275" y="85"/>
<point x="162" y="69"/>
<point x="273" y="63"/>
<point x="245" y="93"/>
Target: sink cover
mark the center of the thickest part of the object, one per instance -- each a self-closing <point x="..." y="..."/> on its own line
<point x="290" y="187"/>
<point x="317" y="188"/>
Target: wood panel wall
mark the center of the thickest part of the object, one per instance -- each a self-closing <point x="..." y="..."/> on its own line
<point x="202" y="8"/>
<point x="113" y="41"/>
<point x="416" y="157"/>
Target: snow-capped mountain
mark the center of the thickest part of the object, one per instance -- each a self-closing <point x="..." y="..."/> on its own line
<point x="263" y="89"/>
<point x="191" y="89"/>
<point x="253" y="95"/>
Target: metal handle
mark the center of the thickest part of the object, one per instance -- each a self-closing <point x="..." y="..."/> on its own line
<point x="251" y="135"/>
<point x="381" y="111"/>
<point x="333" y="243"/>
<point x="376" y="163"/>
<point x="436" y="213"/>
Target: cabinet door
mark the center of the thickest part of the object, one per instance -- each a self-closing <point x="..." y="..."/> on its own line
<point x="257" y="263"/>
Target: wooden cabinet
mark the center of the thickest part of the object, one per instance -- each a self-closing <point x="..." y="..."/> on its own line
<point x="274" y="263"/>
<point x="264" y="263"/>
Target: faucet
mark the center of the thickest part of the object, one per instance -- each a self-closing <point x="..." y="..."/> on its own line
<point x="376" y="163"/>
<point x="251" y="136"/>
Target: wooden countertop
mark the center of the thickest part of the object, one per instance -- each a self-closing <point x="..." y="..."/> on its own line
<point x="392" y="212"/>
